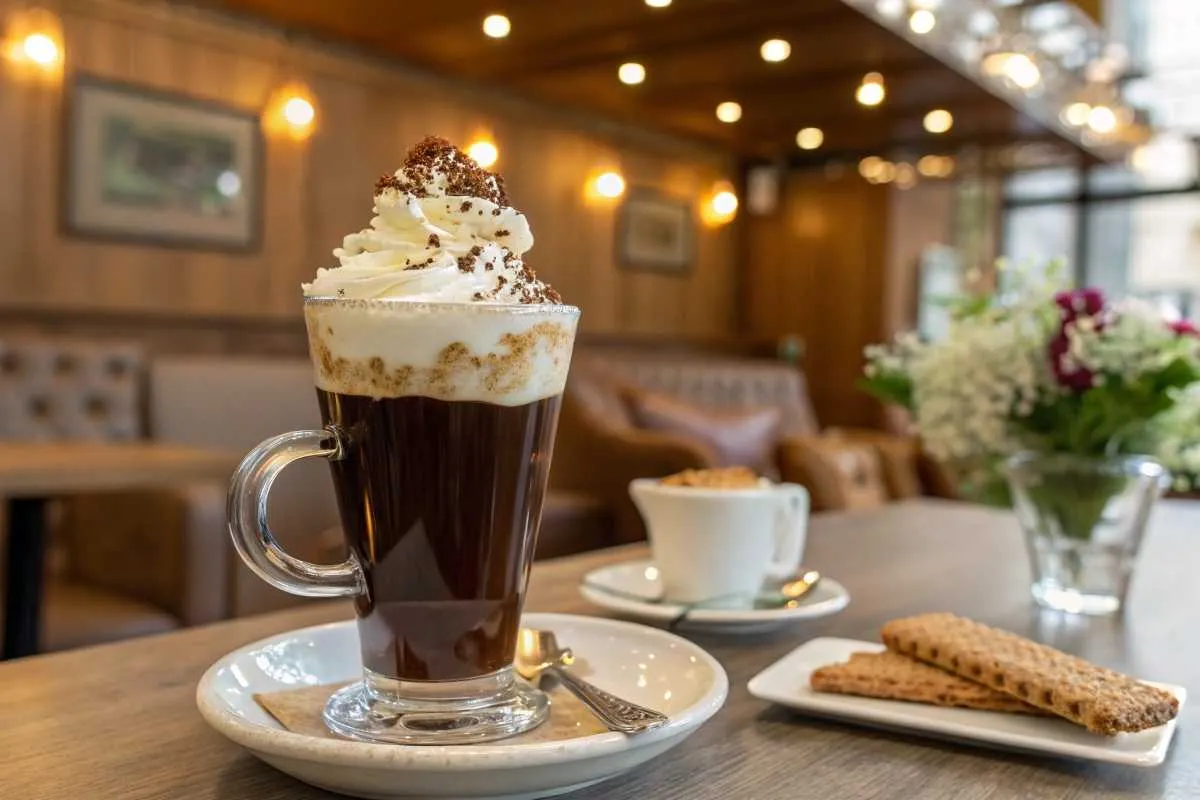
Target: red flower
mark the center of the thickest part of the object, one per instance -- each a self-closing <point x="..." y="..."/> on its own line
<point x="1074" y="304"/>
<point x="1080" y="303"/>
<point x="1184" y="327"/>
<point x="1068" y="375"/>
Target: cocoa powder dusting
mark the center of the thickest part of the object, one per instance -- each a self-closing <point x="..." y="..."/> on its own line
<point x="434" y="157"/>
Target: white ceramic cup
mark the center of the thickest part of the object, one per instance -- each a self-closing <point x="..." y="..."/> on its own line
<point x="722" y="545"/>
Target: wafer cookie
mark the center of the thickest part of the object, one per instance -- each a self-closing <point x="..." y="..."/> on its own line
<point x="1101" y="700"/>
<point x="892" y="676"/>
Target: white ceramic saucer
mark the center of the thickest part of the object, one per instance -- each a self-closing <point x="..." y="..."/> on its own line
<point x="631" y="589"/>
<point x="643" y="664"/>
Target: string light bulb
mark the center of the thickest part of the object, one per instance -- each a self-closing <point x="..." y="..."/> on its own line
<point x="483" y="152"/>
<point x="1076" y="114"/>
<point x="1102" y="119"/>
<point x="729" y="111"/>
<point x="922" y="21"/>
<point x="631" y="73"/>
<point x="658" y="3"/>
<point x="497" y="26"/>
<point x="1020" y="69"/>
<point x="870" y="167"/>
<point x="810" y="138"/>
<point x="871" y="91"/>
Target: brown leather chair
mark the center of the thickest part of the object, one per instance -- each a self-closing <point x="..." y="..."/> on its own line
<point x="600" y="450"/>
<point x="839" y="474"/>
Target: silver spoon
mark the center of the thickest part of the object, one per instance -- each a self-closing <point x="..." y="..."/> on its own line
<point x="792" y="590"/>
<point x="786" y="596"/>
<point x="539" y="654"/>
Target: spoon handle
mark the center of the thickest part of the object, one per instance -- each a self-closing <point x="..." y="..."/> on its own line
<point x="617" y="714"/>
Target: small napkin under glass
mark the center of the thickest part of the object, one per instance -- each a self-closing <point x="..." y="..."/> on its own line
<point x="299" y="710"/>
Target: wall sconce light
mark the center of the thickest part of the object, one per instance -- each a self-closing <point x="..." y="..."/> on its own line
<point x="291" y="112"/>
<point x="34" y="42"/>
<point x="721" y="206"/>
<point x="299" y="112"/>
<point x="483" y="151"/>
<point x="609" y="185"/>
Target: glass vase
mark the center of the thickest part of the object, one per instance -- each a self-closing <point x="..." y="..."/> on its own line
<point x="1083" y="520"/>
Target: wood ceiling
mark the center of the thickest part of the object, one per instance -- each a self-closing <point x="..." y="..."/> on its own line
<point x="697" y="53"/>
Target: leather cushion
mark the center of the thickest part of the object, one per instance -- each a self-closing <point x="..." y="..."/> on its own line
<point x="898" y="459"/>
<point x="737" y="438"/>
<point x="838" y="474"/>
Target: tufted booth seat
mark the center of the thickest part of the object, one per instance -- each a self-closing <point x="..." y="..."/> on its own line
<point x="101" y="584"/>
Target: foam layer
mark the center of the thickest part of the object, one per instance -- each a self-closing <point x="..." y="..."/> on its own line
<point x="507" y="355"/>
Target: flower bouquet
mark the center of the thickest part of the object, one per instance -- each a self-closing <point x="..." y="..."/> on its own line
<point x="1057" y="401"/>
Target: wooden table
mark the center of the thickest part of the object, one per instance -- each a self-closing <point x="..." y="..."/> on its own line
<point x="33" y="473"/>
<point x="120" y="721"/>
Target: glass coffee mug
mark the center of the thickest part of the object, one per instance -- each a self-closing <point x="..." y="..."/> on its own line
<point x="439" y="424"/>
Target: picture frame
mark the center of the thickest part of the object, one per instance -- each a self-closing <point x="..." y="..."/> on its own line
<point x="160" y="168"/>
<point x="655" y="233"/>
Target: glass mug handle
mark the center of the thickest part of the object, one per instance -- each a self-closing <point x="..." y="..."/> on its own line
<point x="247" y="516"/>
<point x="791" y="530"/>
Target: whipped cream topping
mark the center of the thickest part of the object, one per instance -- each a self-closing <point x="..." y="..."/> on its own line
<point x="443" y="232"/>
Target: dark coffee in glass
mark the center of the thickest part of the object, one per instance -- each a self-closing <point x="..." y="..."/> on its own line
<point x="440" y="503"/>
<point x="439" y="424"/>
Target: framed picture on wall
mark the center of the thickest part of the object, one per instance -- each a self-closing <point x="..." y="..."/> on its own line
<point x="655" y="232"/>
<point x="160" y="168"/>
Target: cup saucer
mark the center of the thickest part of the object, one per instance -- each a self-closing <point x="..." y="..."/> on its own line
<point x="649" y="666"/>
<point x="633" y="589"/>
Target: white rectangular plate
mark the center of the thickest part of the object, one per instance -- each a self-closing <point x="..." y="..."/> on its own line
<point x="786" y="682"/>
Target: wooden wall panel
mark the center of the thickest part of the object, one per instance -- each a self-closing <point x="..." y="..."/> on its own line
<point x="317" y="191"/>
<point x="817" y="270"/>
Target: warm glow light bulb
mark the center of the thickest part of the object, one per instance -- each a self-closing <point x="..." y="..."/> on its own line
<point x="40" y="49"/>
<point x="724" y="203"/>
<point x="939" y="120"/>
<point x="889" y="8"/>
<point x="1021" y="70"/>
<point x="496" y="26"/>
<point x="729" y="111"/>
<point x="810" y="138"/>
<point x="631" y="73"/>
<point x="922" y="21"/>
<point x="299" y="112"/>
<point x="775" y="50"/>
<point x="1077" y="114"/>
<point x="483" y="152"/>
<point x="658" y="3"/>
<point x="610" y="184"/>
<point x="870" y="92"/>
<point x="1102" y="119"/>
<point x="870" y="167"/>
